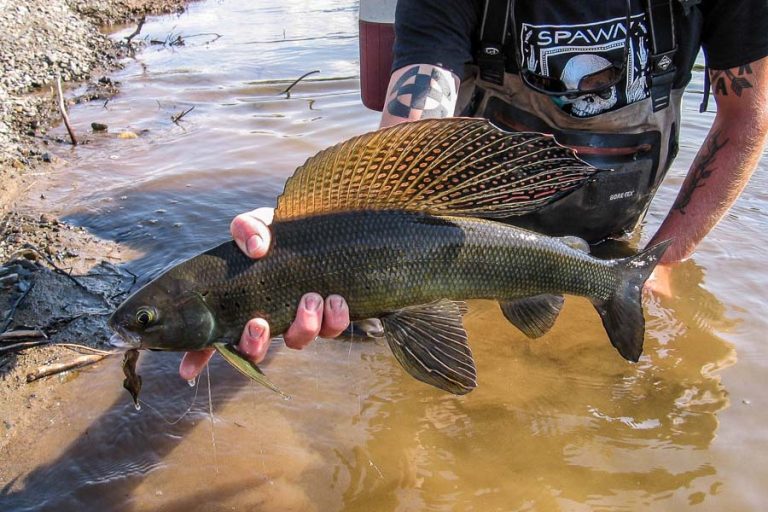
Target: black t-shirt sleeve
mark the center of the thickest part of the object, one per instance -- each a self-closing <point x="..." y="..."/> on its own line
<point x="438" y="33"/>
<point x="735" y="32"/>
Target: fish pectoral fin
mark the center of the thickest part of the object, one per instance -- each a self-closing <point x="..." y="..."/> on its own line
<point x="246" y="367"/>
<point x="533" y="315"/>
<point x="430" y="342"/>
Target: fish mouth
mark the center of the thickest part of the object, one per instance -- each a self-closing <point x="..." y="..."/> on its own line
<point x="125" y="340"/>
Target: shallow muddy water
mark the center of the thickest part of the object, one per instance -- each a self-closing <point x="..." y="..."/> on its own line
<point x="559" y="423"/>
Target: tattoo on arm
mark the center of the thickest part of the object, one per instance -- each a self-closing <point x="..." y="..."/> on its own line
<point x="416" y="90"/>
<point x="702" y="169"/>
<point x="738" y="81"/>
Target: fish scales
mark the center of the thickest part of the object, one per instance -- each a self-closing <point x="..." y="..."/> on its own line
<point x="382" y="261"/>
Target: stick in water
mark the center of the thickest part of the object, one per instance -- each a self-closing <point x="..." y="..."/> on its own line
<point x="63" y="110"/>
<point x="53" y="369"/>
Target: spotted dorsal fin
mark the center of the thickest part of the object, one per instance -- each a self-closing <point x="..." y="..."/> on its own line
<point x="456" y="166"/>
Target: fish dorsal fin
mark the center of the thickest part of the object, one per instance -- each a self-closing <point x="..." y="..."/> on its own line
<point x="455" y="166"/>
<point x="430" y="342"/>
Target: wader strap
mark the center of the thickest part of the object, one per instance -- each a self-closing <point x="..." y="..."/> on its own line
<point x="663" y="48"/>
<point x="490" y="58"/>
<point x="688" y="5"/>
<point x="707" y="85"/>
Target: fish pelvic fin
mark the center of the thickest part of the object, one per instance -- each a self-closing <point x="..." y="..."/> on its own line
<point x="246" y="367"/>
<point x="453" y="166"/>
<point x="536" y="315"/>
<point x="430" y="343"/>
<point x="622" y="313"/>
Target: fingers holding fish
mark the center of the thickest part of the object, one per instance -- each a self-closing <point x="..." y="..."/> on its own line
<point x="254" y="341"/>
<point x="193" y="363"/>
<point x="309" y="319"/>
<point x="335" y="316"/>
<point x="251" y="232"/>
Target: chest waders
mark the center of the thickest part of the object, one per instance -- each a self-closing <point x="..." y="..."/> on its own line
<point x="635" y="144"/>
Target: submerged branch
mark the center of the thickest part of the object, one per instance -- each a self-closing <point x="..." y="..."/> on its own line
<point x="137" y="31"/>
<point x="177" y="117"/>
<point x="63" y="110"/>
<point x="287" y="91"/>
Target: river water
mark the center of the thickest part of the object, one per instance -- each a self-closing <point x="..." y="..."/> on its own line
<point x="559" y="423"/>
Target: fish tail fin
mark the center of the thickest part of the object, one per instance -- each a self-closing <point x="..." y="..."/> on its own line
<point x="622" y="313"/>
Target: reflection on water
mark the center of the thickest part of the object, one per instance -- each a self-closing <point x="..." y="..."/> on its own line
<point x="559" y="423"/>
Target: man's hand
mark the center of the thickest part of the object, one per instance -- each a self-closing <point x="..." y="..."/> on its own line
<point x="660" y="281"/>
<point x="314" y="316"/>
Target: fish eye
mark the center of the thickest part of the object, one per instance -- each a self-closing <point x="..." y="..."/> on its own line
<point x="146" y="316"/>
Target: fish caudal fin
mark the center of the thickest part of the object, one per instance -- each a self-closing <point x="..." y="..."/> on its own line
<point x="622" y="314"/>
<point x="246" y="367"/>
<point x="430" y="342"/>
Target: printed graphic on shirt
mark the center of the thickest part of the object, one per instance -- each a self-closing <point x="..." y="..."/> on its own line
<point x="572" y="52"/>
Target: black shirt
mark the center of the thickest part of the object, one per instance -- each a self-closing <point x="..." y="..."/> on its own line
<point x="568" y="39"/>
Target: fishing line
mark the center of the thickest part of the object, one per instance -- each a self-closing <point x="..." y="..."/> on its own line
<point x="210" y="412"/>
<point x="156" y="411"/>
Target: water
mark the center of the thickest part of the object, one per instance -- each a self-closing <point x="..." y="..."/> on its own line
<point x="560" y="423"/>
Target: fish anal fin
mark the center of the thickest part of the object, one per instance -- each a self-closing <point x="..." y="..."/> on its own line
<point x="246" y="367"/>
<point x="430" y="343"/>
<point x="455" y="166"/>
<point x="534" y="316"/>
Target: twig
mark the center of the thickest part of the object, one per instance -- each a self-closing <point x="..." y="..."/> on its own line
<point x="23" y="334"/>
<point x="30" y="247"/>
<point x="75" y="346"/>
<point x="63" y="111"/>
<point x="216" y="38"/>
<point x="23" y="345"/>
<point x="287" y="91"/>
<point x="137" y="31"/>
<point x="15" y="306"/>
<point x="53" y="369"/>
<point x="177" y="117"/>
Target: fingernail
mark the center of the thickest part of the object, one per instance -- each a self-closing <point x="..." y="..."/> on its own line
<point x="335" y="303"/>
<point x="254" y="331"/>
<point x="253" y="244"/>
<point x="312" y="303"/>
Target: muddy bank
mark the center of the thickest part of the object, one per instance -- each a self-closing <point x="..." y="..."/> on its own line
<point x="57" y="282"/>
<point x="57" y="286"/>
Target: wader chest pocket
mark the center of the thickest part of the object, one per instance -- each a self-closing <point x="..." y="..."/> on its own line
<point x="610" y="204"/>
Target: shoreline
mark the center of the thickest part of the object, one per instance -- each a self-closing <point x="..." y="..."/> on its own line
<point x="44" y="39"/>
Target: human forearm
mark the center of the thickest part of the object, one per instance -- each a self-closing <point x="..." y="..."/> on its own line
<point x="419" y="91"/>
<point x="725" y="162"/>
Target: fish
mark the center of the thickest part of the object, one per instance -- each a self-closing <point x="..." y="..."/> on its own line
<point x="405" y="224"/>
